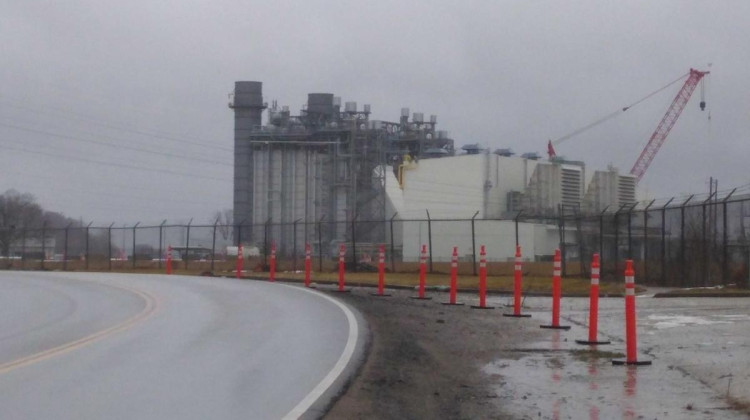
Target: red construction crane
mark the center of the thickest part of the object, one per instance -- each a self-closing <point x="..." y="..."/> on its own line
<point x="666" y="124"/>
<point x="662" y="130"/>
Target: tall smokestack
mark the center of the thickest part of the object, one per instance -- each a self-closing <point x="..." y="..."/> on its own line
<point x="248" y="109"/>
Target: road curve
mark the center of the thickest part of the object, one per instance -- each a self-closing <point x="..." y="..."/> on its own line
<point x="116" y="346"/>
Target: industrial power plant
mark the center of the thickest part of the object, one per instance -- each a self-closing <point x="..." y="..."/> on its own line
<point x="334" y="163"/>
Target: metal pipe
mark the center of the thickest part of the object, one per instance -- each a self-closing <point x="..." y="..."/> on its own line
<point x="725" y="240"/>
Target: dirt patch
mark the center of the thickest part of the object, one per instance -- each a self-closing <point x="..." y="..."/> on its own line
<point x="426" y="359"/>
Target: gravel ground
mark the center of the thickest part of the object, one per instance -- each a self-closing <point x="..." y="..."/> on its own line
<point x="453" y="362"/>
<point x="426" y="359"/>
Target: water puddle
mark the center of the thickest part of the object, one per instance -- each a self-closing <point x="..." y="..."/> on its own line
<point x="558" y="379"/>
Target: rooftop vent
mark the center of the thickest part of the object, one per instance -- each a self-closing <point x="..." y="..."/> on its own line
<point x="504" y="152"/>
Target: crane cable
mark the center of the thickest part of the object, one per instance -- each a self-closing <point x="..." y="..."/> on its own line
<point x="614" y="114"/>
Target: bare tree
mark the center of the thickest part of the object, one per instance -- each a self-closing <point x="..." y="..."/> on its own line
<point x="225" y="219"/>
<point x="17" y="212"/>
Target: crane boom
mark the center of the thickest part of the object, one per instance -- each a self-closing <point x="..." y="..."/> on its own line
<point x="667" y="122"/>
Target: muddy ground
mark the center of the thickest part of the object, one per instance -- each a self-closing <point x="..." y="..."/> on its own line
<point x="433" y="361"/>
<point x="426" y="359"/>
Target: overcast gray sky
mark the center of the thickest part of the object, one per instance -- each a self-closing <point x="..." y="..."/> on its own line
<point x="117" y="111"/>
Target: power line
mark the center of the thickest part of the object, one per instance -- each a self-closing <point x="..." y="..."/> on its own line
<point x="110" y="164"/>
<point x="116" y="146"/>
<point x="98" y="122"/>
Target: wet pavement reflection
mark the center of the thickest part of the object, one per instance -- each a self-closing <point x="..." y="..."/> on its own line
<point x="557" y="379"/>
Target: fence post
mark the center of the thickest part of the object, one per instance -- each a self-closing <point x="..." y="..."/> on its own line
<point x="473" y="245"/>
<point x="393" y="258"/>
<point x="65" y="248"/>
<point x="704" y="246"/>
<point x="239" y="232"/>
<point x="294" y="245"/>
<point x="44" y="251"/>
<point x="563" y="248"/>
<point x="683" y="272"/>
<point x="213" y="245"/>
<point x="134" y="228"/>
<point x="518" y="216"/>
<point x="354" y="244"/>
<point x="617" y="237"/>
<point x="87" y="245"/>
<point x="320" y="244"/>
<point x="601" y="237"/>
<point x="23" y="248"/>
<point x="265" y="242"/>
<point x="187" y="243"/>
<point x="109" y="246"/>
<point x="725" y="240"/>
<point x="645" y="239"/>
<point x="630" y="231"/>
<point x="161" y="239"/>
<point x="429" y="236"/>
<point x="664" y="242"/>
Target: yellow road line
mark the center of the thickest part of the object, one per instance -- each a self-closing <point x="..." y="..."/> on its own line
<point x="148" y="310"/>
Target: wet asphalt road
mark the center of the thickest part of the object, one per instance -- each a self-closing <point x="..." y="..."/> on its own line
<point x="96" y="346"/>
<point x="700" y="349"/>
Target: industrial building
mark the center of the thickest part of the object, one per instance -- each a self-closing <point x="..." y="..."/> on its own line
<point x="326" y="163"/>
<point x="336" y="164"/>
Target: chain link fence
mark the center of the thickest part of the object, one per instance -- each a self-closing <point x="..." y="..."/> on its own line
<point x="682" y="243"/>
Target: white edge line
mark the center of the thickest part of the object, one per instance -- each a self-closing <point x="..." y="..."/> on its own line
<point x="338" y="368"/>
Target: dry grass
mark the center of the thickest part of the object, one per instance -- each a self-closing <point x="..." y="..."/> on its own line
<point x="500" y="274"/>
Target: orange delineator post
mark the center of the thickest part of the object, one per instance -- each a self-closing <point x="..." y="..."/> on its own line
<point x="381" y="272"/>
<point x="342" y="267"/>
<point x="517" y="282"/>
<point x="272" y="273"/>
<point x="454" y="278"/>
<point x="239" y="261"/>
<point x="381" y="269"/>
<point x="593" y="305"/>
<point x="482" y="280"/>
<point x="308" y="265"/>
<point x="454" y="275"/>
<point x="630" y="330"/>
<point x="422" y="274"/>
<point x="517" y="279"/>
<point x="556" y="294"/>
<point x="169" y="260"/>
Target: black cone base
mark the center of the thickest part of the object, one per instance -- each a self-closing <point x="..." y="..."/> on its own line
<point x="420" y="298"/>
<point x="342" y="291"/>
<point x="517" y="316"/>
<point x="633" y="363"/>
<point x="592" y="343"/>
<point x="452" y="304"/>
<point x="555" y="327"/>
<point x="482" y="307"/>
<point x="380" y="295"/>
